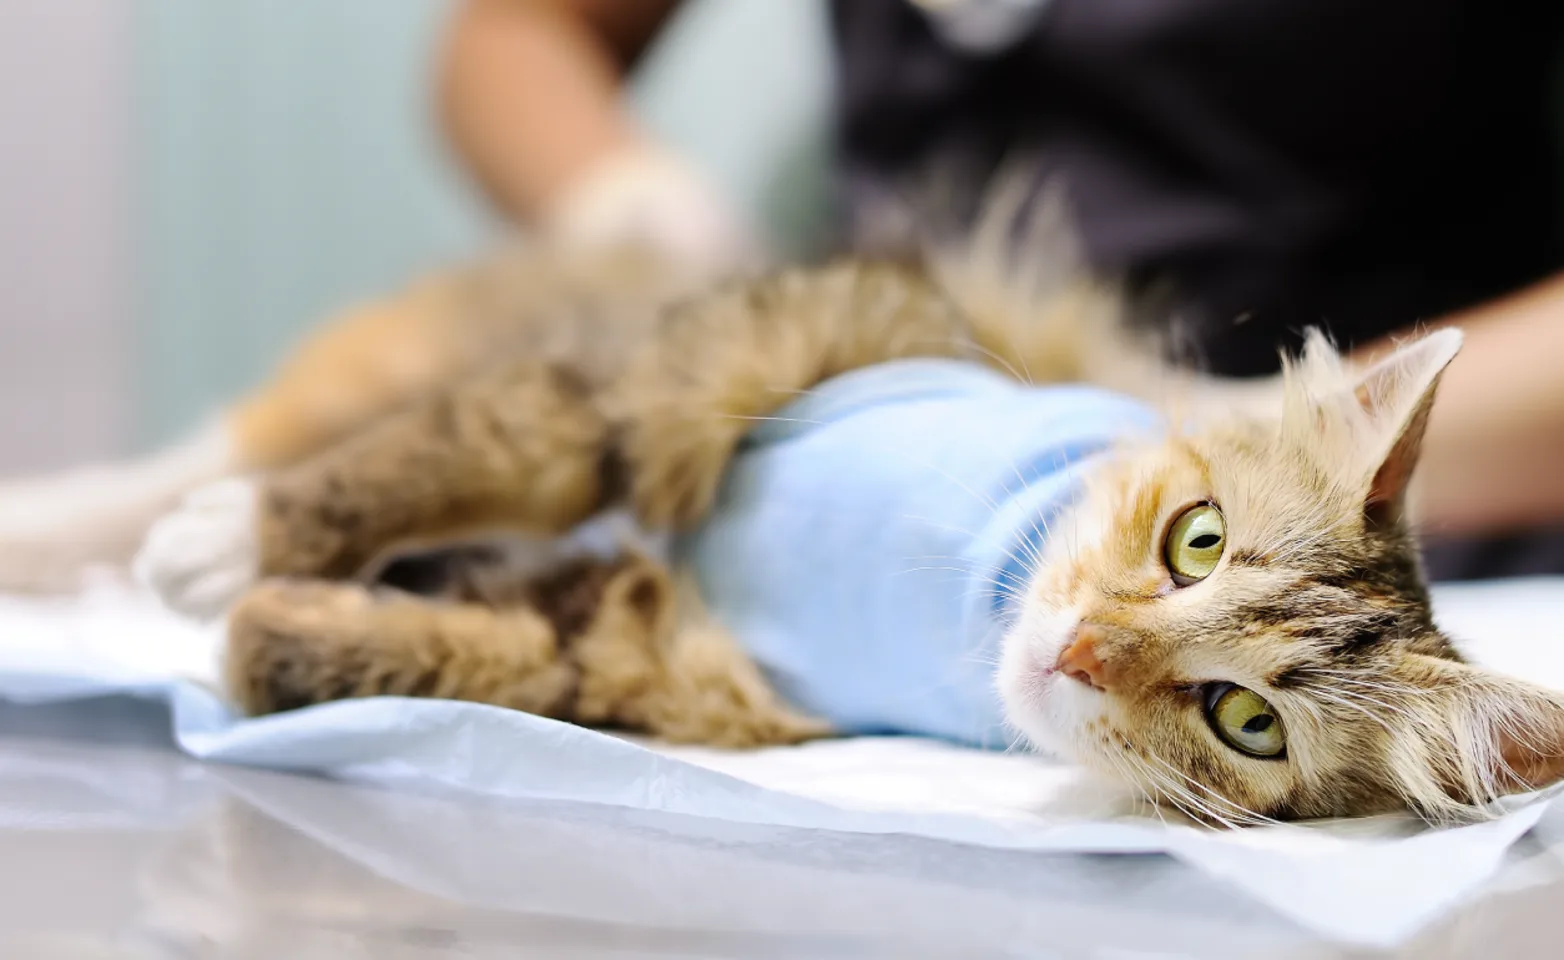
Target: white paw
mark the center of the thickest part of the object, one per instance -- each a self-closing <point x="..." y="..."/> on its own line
<point x="201" y="557"/>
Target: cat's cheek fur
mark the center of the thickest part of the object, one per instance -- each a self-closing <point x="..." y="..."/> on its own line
<point x="205" y="554"/>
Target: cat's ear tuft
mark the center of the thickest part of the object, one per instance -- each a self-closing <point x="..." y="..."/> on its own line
<point x="1398" y="394"/>
<point x="1474" y="735"/>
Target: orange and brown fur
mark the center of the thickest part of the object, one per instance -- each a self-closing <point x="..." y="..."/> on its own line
<point x="533" y="393"/>
<point x="643" y="404"/>
<point x="1318" y="605"/>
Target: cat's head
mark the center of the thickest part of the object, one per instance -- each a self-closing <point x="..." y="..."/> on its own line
<point x="1235" y="620"/>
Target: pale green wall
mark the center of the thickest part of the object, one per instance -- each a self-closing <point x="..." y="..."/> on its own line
<point x="287" y="163"/>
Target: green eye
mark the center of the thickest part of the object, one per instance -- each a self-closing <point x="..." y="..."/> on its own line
<point x="1195" y="544"/>
<point x="1245" y="721"/>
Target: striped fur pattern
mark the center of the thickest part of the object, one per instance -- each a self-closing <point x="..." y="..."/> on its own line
<point x="536" y="391"/>
<point x="1318" y="605"/>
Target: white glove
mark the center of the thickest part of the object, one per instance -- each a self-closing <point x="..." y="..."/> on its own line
<point x="648" y="195"/>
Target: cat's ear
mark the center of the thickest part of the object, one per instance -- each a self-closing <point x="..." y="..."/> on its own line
<point x="1398" y="394"/>
<point x="1471" y="735"/>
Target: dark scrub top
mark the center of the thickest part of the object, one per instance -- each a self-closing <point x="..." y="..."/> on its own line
<point x="1271" y="164"/>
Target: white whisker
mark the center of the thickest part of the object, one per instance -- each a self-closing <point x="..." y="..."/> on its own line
<point x="1252" y="815"/>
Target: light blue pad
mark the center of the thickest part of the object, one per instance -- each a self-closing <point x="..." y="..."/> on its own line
<point x="823" y="512"/>
<point x="1369" y="885"/>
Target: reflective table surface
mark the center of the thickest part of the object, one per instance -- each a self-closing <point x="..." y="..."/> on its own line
<point x="113" y="845"/>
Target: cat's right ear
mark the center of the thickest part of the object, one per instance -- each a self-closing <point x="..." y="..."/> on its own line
<point x="1398" y="394"/>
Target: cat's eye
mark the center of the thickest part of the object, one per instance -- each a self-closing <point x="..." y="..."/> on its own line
<point x="1195" y="544"/>
<point x="1244" y="720"/>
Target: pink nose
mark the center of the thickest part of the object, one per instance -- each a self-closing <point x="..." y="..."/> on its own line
<point x="1079" y="659"/>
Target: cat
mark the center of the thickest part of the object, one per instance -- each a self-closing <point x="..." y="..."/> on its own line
<point x="1236" y="626"/>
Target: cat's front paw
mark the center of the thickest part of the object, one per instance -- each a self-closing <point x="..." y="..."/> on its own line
<point x="201" y="557"/>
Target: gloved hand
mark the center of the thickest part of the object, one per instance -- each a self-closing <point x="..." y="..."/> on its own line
<point x="648" y="194"/>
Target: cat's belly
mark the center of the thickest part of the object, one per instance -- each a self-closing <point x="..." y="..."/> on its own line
<point x="865" y="555"/>
<point x="876" y="627"/>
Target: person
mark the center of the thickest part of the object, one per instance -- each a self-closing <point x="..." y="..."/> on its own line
<point x="1366" y="168"/>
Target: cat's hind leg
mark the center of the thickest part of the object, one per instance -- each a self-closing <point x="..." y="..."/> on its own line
<point x="522" y="449"/>
<point x="598" y="643"/>
<point x="292" y="644"/>
<point x="352" y="370"/>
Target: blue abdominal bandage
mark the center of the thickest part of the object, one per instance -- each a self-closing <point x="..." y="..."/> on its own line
<point x="869" y="543"/>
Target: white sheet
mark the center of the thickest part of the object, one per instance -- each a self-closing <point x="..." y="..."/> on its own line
<point x="1372" y="882"/>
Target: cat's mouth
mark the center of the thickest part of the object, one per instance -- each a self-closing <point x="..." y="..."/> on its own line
<point x="1041" y="697"/>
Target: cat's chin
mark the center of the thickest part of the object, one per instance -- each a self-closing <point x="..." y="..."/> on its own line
<point x="1053" y="714"/>
<point x="1048" y="707"/>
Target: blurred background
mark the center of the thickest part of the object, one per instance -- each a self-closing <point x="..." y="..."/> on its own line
<point x="189" y="183"/>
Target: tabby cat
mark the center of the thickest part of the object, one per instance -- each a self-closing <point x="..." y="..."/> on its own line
<point x="1236" y="623"/>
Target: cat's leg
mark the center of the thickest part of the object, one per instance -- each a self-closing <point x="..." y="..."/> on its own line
<point x="520" y="448"/>
<point x="602" y="647"/>
<point x="296" y="643"/>
<point x="539" y="449"/>
<point x="355" y="369"/>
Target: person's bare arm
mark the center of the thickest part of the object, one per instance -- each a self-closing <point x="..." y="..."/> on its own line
<point x="530" y="91"/>
<point x="532" y="105"/>
<point x="1493" y="458"/>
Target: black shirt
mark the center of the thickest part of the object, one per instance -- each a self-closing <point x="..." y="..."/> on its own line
<point x="1357" y="165"/>
<point x="1276" y="164"/>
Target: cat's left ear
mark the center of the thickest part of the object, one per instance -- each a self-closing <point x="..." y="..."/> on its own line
<point x="1398" y="394"/>
<point x="1474" y="735"/>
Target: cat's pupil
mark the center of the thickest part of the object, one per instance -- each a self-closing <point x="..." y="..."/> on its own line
<point x="1205" y="541"/>
<point x="1259" y="723"/>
